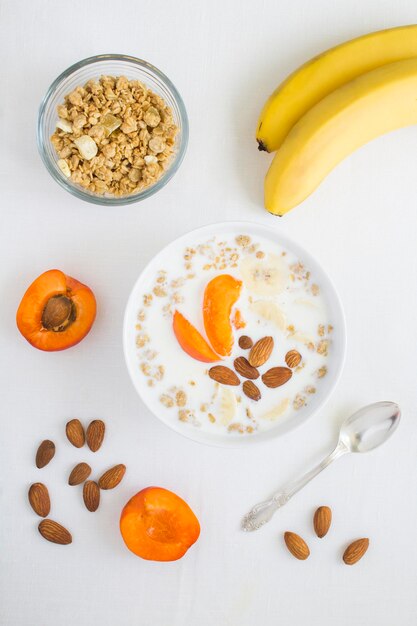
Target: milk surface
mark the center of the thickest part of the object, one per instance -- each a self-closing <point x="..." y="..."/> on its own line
<point x="179" y="386"/>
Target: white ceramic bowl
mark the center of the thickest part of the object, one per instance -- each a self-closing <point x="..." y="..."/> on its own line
<point x="327" y="290"/>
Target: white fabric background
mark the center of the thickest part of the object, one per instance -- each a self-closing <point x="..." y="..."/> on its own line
<point x="225" y="58"/>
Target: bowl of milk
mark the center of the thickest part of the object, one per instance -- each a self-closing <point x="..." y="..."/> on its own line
<point x="280" y="292"/>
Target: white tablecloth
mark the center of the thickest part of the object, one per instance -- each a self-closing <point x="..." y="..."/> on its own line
<point x="225" y="58"/>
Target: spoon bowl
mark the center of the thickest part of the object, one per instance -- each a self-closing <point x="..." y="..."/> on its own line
<point x="369" y="427"/>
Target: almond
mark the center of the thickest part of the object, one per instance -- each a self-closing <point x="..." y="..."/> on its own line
<point x="52" y="531"/>
<point x="355" y="551"/>
<point x="75" y="433"/>
<point x="112" y="477"/>
<point x="95" y="434"/>
<point x="293" y="358"/>
<point x="45" y="453"/>
<point x="223" y="375"/>
<point x="245" y="369"/>
<point x="251" y="390"/>
<point x="297" y="546"/>
<point x="245" y="342"/>
<point x="79" y="474"/>
<point x="261" y="351"/>
<point x="322" y="521"/>
<point x="276" y="376"/>
<point x="39" y="499"/>
<point x="91" y="495"/>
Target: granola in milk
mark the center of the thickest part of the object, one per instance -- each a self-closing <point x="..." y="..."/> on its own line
<point x="233" y="362"/>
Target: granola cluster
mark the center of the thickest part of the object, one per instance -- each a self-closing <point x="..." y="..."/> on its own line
<point x="299" y="273"/>
<point x="114" y="136"/>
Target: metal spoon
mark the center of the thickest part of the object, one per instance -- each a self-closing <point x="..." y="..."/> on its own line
<point x="363" y="431"/>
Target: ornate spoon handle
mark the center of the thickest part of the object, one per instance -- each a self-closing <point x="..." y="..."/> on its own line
<point x="262" y="512"/>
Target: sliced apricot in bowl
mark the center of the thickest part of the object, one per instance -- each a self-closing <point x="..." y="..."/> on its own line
<point x="220" y="295"/>
<point x="191" y="341"/>
<point x="56" y="312"/>
<point x="158" y="525"/>
<point x="238" y="321"/>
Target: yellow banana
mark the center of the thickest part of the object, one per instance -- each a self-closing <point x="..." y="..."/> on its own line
<point x="370" y="105"/>
<point x="326" y="72"/>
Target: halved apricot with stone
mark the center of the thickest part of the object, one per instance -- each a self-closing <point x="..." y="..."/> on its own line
<point x="158" y="525"/>
<point x="220" y="296"/>
<point x="56" y="312"/>
<point x="191" y="341"/>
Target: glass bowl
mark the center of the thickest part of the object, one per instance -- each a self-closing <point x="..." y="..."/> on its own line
<point x="93" y="68"/>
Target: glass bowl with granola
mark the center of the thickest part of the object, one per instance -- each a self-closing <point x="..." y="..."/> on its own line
<point x="112" y="129"/>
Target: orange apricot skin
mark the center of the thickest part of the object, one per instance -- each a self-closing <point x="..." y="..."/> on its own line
<point x="191" y="341"/>
<point x="220" y="295"/>
<point x="158" y="525"/>
<point x="29" y="313"/>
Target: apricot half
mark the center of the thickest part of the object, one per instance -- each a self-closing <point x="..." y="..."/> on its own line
<point x="220" y="296"/>
<point x="158" y="525"/>
<point x="191" y="341"/>
<point x="56" y="312"/>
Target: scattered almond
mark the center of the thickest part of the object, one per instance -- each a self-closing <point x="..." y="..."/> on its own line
<point x="75" y="433"/>
<point x="38" y="494"/>
<point x="39" y="499"/>
<point x="261" y="351"/>
<point x="91" y="495"/>
<point x="251" y="390"/>
<point x="245" y="342"/>
<point x="276" y="376"/>
<point x="95" y="434"/>
<point x="322" y="521"/>
<point x="111" y="478"/>
<point x="52" y="531"/>
<point x="45" y="453"/>
<point x="293" y="358"/>
<point x="355" y="551"/>
<point x="79" y="474"/>
<point x="245" y="369"/>
<point x="223" y="375"/>
<point x="297" y="546"/>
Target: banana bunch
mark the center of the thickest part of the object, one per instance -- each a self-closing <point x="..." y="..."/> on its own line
<point x="332" y="105"/>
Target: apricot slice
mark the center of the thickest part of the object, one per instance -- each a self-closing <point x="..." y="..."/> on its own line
<point x="56" y="312"/>
<point x="220" y="295"/>
<point x="238" y="321"/>
<point x="158" y="525"/>
<point x="191" y="341"/>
